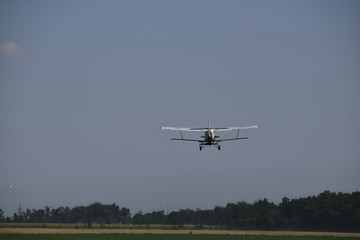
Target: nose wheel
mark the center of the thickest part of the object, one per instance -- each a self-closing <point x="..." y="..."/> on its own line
<point x="219" y="147"/>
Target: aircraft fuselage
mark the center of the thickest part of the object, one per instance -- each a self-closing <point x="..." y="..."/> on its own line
<point x="209" y="136"/>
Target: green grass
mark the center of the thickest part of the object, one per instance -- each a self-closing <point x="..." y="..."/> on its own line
<point x="105" y="226"/>
<point x="158" y="237"/>
<point x="109" y="226"/>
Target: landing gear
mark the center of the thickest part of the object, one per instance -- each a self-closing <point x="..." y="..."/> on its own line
<point x="215" y="145"/>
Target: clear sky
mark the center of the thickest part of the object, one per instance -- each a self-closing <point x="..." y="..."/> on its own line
<point x="86" y="85"/>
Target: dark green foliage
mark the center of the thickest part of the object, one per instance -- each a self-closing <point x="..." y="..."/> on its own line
<point x="328" y="211"/>
<point x="156" y="217"/>
<point x="2" y="218"/>
<point x="94" y="213"/>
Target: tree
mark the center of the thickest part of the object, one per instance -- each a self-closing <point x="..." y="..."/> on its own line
<point x="124" y="216"/>
<point x="267" y="215"/>
<point x="156" y="217"/>
<point x="2" y="218"/>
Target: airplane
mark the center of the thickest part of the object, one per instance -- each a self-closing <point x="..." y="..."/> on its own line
<point x="209" y="138"/>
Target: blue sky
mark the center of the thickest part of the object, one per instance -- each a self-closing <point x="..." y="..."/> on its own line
<point x="86" y="85"/>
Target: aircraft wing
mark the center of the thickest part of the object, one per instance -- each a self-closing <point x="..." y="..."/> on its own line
<point x="184" y="129"/>
<point x="236" y="128"/>
<point x="232" y="139"/>
<point x="205" y="129"/>
<point x="186" y="140"/>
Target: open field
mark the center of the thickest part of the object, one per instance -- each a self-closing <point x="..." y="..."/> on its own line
<point x="107" y="226"/>
<point x="55" y="231"/>
<point x="161" y="237"/>
<point x="171" y="234"/>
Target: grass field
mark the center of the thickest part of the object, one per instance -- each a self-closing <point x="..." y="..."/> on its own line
<point x="160" y="234"/>
<point x="160" y="237"/>
<point x="106" y="226"/>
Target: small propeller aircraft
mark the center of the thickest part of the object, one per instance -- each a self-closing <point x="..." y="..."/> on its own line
<point x="209" y="138"/>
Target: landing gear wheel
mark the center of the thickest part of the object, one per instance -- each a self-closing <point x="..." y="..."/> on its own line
<point x="200" y="148"/>
<point x="219" y="147"/>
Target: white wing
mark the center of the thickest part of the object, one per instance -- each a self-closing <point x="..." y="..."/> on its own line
<point x="204" y="129"/>
<point x="184" y="129"/>
<point x="236" y="128"/>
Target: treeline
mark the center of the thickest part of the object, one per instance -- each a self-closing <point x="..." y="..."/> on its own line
<point x="94" y="213"/>
<point x="326" y="212"/>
